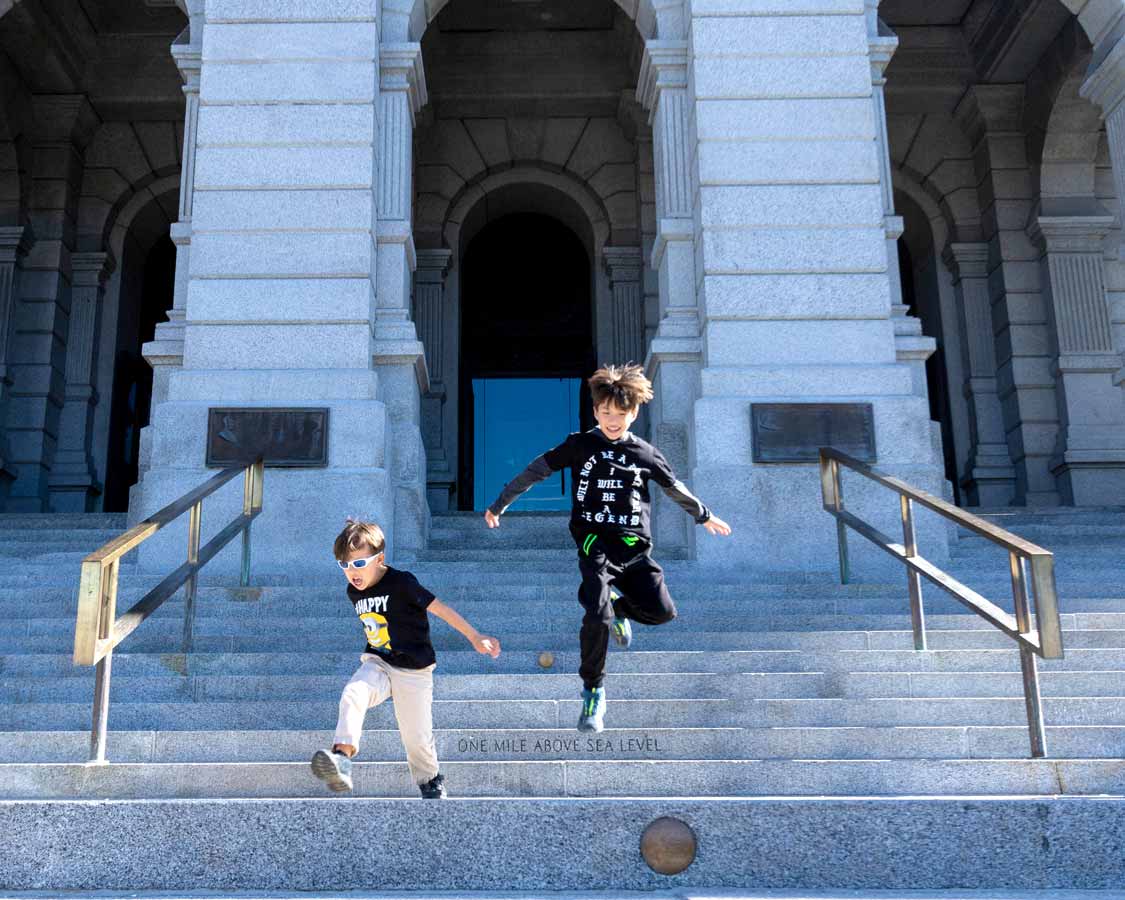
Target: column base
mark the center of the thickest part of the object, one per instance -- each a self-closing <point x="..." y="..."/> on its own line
<point x="1091" y="481"/>
<point x="403" y="378"/>
<point x="991" y="479"/>
<point x="73" y="491"/>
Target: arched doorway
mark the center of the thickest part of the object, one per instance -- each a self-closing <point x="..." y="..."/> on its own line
<point x="527" y="342"/>
<point x="145" y="287"/>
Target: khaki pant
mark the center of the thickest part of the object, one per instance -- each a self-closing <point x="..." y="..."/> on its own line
<point x="412" y="691"/>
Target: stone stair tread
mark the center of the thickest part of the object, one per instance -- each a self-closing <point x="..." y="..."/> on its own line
<point x="607" y="777"/>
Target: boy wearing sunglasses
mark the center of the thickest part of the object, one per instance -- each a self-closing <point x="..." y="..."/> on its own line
<point x="398" y="661"/>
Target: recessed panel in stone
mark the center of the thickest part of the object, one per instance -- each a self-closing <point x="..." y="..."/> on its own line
<point x="795" y="432"/>
<point x="286" y="437"/>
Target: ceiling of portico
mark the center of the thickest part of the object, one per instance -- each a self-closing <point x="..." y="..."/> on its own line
<point x="945" y="46"/>
<point x="115" y="51"/>
<point x="530" y="58"/>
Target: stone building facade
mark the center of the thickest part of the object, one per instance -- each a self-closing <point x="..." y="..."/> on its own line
<point x="280" y="203"/>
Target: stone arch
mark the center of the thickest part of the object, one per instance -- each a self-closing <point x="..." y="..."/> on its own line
<point x="596" y="233"/>
<point x="1098" y="18"/>
<point x="1069" y="157"/>
<point x="124" y="159"/>
<point x="407" y="20"/>
<point x="135" y="224"/>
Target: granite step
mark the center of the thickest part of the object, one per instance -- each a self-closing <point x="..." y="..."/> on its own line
<point x="481" y="744"/>
<point x="808" y="844"/>
<point x="222" y="636"/>
<point x="342" y="664"/>
<point x="605" y="777"/>
<point x="321" y="714"/>
<point x="623" y="686"/>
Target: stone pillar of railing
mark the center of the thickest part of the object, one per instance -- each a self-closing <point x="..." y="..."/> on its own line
<point x="1089" y="458"/>
<point x="990" y="479"/>
<point x="675" y="354"/>
<point x="14" y="244"/>
<point x="72" y="483"/>
<point x="623" y="265"/>
<point x="166" y="350"/>
<point x="397" y="353"/>
<point x="429" y="316"/>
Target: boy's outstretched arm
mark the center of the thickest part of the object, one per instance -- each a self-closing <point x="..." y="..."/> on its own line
<point x="539" y="469"/>
<point x="685" y="499"/>
<point x="482" y="643"/>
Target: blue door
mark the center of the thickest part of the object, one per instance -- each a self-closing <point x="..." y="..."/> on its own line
<point x="515" y="420"/>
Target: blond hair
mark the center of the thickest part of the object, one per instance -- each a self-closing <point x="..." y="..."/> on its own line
<point x="357" y="535"/>
<point x="624" y="386"/>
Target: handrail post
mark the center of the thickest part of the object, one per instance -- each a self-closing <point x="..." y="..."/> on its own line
<point x="247" y="509"/>
<point x="841" y="528"/>
<point x="194" y="522"/>
<point x="107" y="603"/>
<point x="1028" y="665"/>
<point x="913" y="579"/>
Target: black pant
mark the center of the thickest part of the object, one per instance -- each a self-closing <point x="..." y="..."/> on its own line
<point x="636" y="577"/>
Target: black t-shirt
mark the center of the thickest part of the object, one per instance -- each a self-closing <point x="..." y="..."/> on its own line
<point x="393" y="613"/>
<point x="610" y="482"/>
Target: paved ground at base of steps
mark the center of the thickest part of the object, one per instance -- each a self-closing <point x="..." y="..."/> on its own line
<point x="607" y="895"/>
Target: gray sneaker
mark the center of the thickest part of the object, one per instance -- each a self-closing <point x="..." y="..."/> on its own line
<point x="334" y="769"/>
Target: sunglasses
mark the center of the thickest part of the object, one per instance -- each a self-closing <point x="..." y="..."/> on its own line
<point x="357" y="563"/>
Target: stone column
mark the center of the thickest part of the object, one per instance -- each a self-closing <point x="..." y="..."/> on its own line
<point x="623" y="265"/>
<point x="71" y="483"/>
<point x="991" y="116"/>
<point x="398" y="355"/>
<point x="1106" y="88"/>
<point x="14" y="244"/>
<point x="429" y="310"/>
<point x="166" y="350"/>
<point x="675" y="354"/>
<point x="63" y="126"/>
<point x="991" y="477"/>
<point x="280" y="293"/>
<point x="882" y="44"/>
<point x="1089" y="460"/>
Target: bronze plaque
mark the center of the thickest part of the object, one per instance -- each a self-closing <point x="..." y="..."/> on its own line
<point x="285" y="437"/>
<point x="795" y="432"/>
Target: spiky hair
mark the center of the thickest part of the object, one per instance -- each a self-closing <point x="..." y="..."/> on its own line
<point x="624" y="386"/>
<point x="357" y="535"/>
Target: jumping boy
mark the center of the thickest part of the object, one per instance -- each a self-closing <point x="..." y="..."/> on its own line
<point x="609" y="521"/>
<point x="398" y="661"/>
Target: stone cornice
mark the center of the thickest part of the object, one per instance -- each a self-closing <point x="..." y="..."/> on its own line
<point x="189" y="60"/>
<point x="400" y="69"/>
<point x="433" y="265"/>
<point x="1106" y="86"/>
<point x="967" y="260"/>
<point x="663" y="66"/>
<point x="15" y="241"/>
<point x="1071" y="234"/>
<point x="91" y="269"/>
<point x="622" y="263"/>
<point x="882" y="50"/>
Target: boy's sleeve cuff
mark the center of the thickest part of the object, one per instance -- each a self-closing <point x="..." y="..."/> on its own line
<point x="704" y="517"/>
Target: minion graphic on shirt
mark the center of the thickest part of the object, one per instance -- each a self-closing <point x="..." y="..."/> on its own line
<point x="375" y="626"/>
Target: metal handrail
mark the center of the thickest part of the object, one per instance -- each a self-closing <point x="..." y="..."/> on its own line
<point x="1045" y="640"/>
<point x="98" y="630"/>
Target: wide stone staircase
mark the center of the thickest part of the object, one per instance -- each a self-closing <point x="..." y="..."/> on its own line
<point x="790" y="724"/>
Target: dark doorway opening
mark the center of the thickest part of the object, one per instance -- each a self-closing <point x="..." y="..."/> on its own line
<point x="937" y="379"/>
<point x="526" y="318"/>
<point x="132" y="376"/>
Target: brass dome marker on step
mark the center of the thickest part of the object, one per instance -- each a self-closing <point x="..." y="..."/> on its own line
<point x="546" y="659"/>
<point x="668" y="846"/>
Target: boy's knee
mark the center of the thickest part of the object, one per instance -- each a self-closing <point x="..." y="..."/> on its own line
<point x="354" y="694"/>
<point x="667" y="614"/>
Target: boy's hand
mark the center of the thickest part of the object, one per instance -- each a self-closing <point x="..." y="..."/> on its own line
<point x="489" y="646"/>
<point x="492" y="520"/>
<point x="715" y="525"/>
